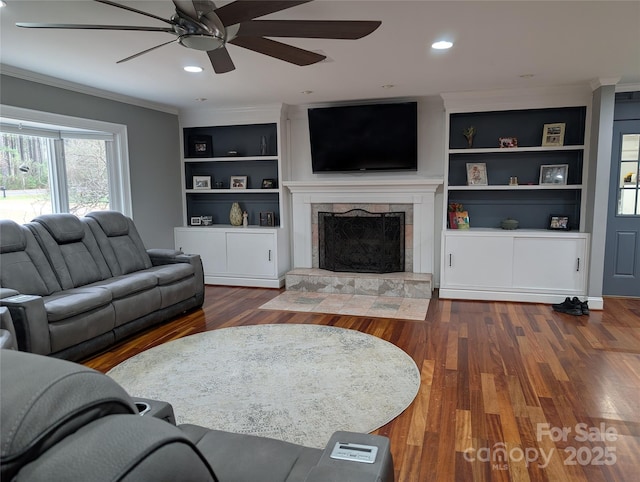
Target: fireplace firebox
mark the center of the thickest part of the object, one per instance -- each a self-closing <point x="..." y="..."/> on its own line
<point x="359" y="241"/>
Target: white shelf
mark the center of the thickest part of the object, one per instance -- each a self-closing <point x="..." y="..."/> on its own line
<point x="230" y="191"/>
<point x="231" y="159"/>
<point x="505" y="150"/>
<point x="520" y="187"/>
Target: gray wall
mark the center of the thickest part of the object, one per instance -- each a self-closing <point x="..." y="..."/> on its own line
<point x="154" y="149"/>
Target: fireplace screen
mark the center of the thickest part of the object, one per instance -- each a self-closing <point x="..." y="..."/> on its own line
<point x="361" y="242"/>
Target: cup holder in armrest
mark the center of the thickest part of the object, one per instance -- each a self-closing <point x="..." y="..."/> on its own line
<point x="143" y="407"/>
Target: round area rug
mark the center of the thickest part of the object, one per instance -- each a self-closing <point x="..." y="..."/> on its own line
<point x="298" y="383"/>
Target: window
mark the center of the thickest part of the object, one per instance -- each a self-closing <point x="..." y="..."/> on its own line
<point x="629" y="188"/>
<point x="69" y="167"/>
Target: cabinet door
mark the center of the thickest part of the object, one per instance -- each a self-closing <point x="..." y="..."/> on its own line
<point x="210" y="245"/>
<point x="251" y="254"/>
<point x="478" y="262"/>
<point x="553" y="264"/>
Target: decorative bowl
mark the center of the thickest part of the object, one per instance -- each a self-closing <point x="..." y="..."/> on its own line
<point x="509" y="223"/>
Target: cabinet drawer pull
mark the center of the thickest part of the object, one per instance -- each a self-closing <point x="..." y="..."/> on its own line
<point x="450" y="260"/>
<point x="578" y="265"/>
<point x="269" y="255"/>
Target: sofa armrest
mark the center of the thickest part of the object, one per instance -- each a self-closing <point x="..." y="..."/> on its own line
<point x="169" y="256"/>
<point x="30" y="323"/>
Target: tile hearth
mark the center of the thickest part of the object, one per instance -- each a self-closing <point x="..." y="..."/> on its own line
<point x="400" y="285"/>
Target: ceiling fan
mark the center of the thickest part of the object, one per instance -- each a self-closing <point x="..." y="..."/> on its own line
<point x="200" y="25"/>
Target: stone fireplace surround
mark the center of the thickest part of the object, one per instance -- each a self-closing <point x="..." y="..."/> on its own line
<point x="377" y="194"/>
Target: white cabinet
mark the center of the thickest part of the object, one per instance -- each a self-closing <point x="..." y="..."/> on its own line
<point x="252" y="256"/>
<point x="521" y="265"/>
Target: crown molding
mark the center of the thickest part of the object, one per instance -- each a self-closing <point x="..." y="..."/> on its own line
<point x="82" y="89"/>
<point x="603" y="82"/>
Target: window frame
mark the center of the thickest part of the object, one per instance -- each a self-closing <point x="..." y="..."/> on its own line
<point x="66" y="126"/>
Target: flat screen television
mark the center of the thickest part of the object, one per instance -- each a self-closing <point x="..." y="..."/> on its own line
<point x="368" y="137"/>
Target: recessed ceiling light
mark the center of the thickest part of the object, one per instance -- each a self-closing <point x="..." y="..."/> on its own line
<point x="442" y="45"/>
<point x="526" y="76"/>
<point x="201" y="99"/>
<point x="307" y="92"/>
<point x="388" y="86"/>
<point x="193" y="68"/>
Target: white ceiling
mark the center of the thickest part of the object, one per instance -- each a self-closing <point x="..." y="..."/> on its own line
<point x="498" y="45"/>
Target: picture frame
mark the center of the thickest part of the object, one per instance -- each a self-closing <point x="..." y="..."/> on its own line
<point x="559" y="222"/>
<point x="553" y="174"/>
<point x="206" y="220"/>
<point x="238" y="182"/>
<point x="462" y="219"/>
<point x="200" y="146"/>
<point x="477" y="174"/>
<point x="553" y="134"/>
<point x="507" y="142"/>
<point x="196" y="221"/>
<point x="201" y="182"/>
<point x="267" y="218"/>
<point x="268" y="184"/>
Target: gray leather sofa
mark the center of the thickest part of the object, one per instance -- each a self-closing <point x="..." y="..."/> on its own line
<point x="75" y="286"/>
<point x="63" y="421"/>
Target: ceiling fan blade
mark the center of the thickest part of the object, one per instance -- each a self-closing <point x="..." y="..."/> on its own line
<point x="93" y="27"/>
<point x="278" y="50"/>
<point x="334" y="29"/>
<point x="145" y="51"/>
<point x="187" y="8"/>
<point x="243" y="10"/>
<point x="221" y="60"/>
<point x="131" y="9"/>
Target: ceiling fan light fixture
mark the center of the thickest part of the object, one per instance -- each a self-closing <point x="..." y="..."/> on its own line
<point x="193" y="68"/>
<point x="442" y="45"/>
<point x="201" y="42"/>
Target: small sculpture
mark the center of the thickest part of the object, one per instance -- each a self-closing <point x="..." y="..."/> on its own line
<point x="468" y="133"/>
<point x="245" y="219"/>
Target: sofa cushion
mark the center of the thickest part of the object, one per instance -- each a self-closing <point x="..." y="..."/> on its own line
<point x="65" y="228"/>
<point x="23" y="265"/>
<point x="170" y="273"/>
<point x="127" y="285"/>
<point x="68" y="303"/>
<point x="12" y="238"/>
<point x="119" y="242"/>
<point x="59" y="398"/>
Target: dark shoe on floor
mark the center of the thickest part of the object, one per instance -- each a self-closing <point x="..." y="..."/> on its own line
<point x="569" y="306"/>
<point x="584" y="305"/>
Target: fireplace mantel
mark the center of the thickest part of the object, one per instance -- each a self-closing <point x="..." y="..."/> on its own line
<point x="418" y="192"/>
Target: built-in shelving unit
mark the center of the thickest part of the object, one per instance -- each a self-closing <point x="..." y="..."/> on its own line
<point x="531" y="263"/>
<point x="219" y="145"/>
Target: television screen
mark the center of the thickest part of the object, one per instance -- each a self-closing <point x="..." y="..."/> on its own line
<point x="364" y="137"/>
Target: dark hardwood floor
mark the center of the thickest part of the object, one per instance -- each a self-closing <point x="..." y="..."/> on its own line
<point x="510" y="391"/>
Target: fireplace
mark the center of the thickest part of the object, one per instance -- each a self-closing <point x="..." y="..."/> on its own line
<point x="359" y="241"/>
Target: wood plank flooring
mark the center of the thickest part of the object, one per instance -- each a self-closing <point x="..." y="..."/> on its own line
<point x="510" y="391"/>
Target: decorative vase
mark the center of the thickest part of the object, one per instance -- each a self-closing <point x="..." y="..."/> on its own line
<point x="235" y="215"/>
<point x="468" y="133"/>
<point x="264" y="147"/>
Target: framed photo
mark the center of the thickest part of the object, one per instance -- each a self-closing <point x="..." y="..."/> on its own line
<point x="508" y="142"/>
<point x="553" y="134"/>
<point x="202" y="182"/>
<point x="268" y="184"/>
<point x="196" y="221"/>
<point x="462" y="219"/>
<point x="477" y="174"/>
<point x="238" y="182"/>
<point x="267" y="218"/>
<point x="200" y="146"/>
<point x="206" y="220"/>
<point x="554" y="174"/>
<point x="559" y="222"/>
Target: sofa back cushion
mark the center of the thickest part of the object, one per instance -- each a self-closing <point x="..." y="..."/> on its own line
<point x="71" y="248"/>
<point x="23" y="265"/>
<point x="44" y="400"/>
<point x="119" y="242"/>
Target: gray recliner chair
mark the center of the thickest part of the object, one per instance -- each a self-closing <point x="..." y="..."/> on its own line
<point x="63" y="421"/>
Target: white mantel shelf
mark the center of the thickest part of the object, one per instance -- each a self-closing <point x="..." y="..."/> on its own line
<point x="419" y="192"/>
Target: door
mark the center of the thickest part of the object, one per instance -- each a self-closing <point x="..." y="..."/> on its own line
<point x="622" y="250"/>
<point x="251" y="254"/>
<point x="550" y="264"/>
